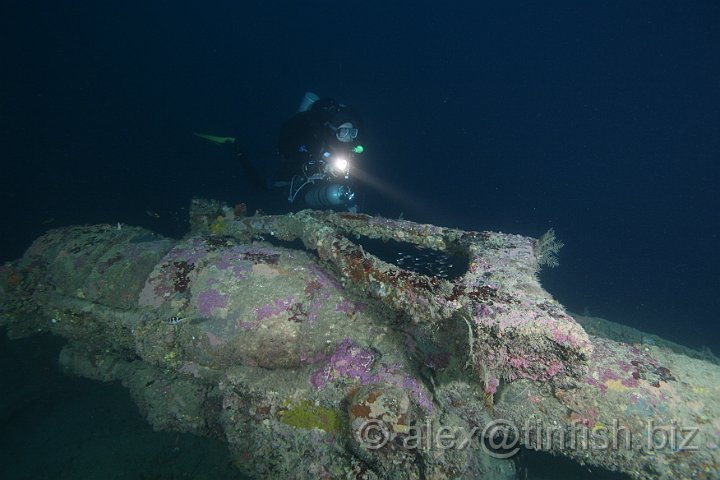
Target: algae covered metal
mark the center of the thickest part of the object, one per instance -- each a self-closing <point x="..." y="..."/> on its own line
<point x="328" y="362"/>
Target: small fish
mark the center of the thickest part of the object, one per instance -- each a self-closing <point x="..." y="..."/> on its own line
<point x="152" y="214"/>
<point x="192" y="321"/>
<point x="174" y="320"/>
<point x="427" y="262"/>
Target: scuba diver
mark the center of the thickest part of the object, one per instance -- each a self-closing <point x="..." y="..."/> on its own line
<point x="317" y="147"/>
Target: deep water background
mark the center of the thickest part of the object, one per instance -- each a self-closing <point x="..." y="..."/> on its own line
<point x="598" y="119"/>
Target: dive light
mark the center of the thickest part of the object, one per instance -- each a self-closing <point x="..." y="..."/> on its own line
<point x="329" y="195"/>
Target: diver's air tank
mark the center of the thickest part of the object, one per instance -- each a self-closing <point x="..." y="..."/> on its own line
<point x="332" y="195"/>
<point x="307" y="101"/>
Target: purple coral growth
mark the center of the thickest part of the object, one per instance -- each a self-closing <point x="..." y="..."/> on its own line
<point x="313" y="311"/>
<point x="262" y="255"/>
<point x="247" y="325"/>
<point x="349" y="361"/>
<point x="318" y="290"/>
<point x="349" y="307"/>
<point x="276" y="307"/>
<point x="419" y="392"/>
<point x="352" y="362"/>
<point x="209" y="300"/>
<point x="324" y="278"/>
<point x="308" y="359"/>
<point x="234" y="259"/>
<point x="483" y="311"/>
<point x="393" y="375"/>
<point x="192" y="252"/>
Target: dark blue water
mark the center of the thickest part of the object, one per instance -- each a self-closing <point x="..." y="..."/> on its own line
<point x="600" y="120"/>
<point x="58" y="427"/>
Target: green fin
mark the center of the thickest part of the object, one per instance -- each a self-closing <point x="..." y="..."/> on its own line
<point x="215" y="139"/>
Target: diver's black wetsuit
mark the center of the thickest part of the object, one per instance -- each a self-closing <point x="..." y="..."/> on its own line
<point x="306" y="136"/>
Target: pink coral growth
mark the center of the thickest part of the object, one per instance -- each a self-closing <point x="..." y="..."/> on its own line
<point x="492" y="385"/>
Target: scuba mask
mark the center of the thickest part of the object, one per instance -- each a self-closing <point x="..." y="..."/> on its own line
<point x="345" y="133"/>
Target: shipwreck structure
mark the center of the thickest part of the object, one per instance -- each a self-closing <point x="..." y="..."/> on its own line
<point x="321" y="360"/>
